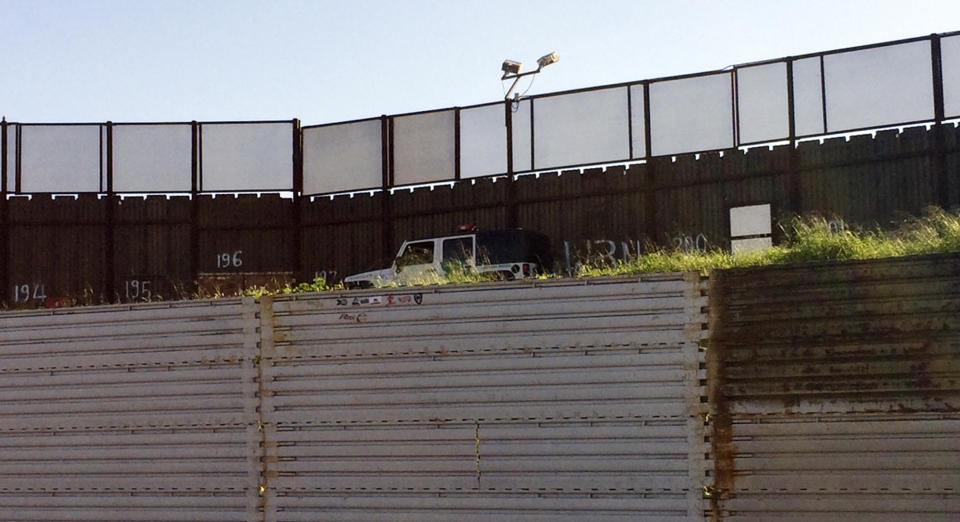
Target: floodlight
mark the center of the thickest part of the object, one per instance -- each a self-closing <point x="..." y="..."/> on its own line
<point x="511" y="71"/>
<point x="511" y="67"/>
<point x="548" y="59"/>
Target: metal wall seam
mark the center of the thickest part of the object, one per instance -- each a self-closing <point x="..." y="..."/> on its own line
<point x="252" y="395"/>
<point x="266" y="432"/>
<point x="695" y="380"/>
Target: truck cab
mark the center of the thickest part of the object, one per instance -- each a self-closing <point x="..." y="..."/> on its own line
<point x="508" y="254"/>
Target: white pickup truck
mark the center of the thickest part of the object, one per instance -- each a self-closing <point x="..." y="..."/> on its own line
<point x="510" y="254"/>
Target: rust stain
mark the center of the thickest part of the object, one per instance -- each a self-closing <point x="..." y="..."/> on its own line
<point x="721" y="429"/>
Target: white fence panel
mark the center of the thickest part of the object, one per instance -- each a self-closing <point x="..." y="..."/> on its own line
<point x="140" y="412"/>
<point x="342" y="158"/>
<point x="556" y="401"/>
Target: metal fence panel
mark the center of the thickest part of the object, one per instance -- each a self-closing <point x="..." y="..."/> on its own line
<point x="56" y="249"/>
<point x="424" y="148"/>
<point x="691" y="114"/>
<point x="879" y="86"/>
<point x="950" y="59"/>
<point x="254" y="156"/>
<point x="343" y="158"/>
<point x="808" y="96"/>
<point x="835" y="390"/>
<point x="638" y="121"/>
<point x="557" y="401"/>
<point x="61" y="158"/>
<point x="522" y="142"/>
<point x="762" y="112"/>
<point x="483" y="141"/>
<point x="152" y="158"/>
<point x="143" y="412"/>
<point x="581" y="128"/>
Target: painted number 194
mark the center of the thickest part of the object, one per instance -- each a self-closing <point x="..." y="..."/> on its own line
<point x="25" y="292"/>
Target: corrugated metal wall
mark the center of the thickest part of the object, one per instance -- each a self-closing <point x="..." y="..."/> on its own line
<point x="836" y="390"/>
<point x="565" y="400"/>
<point x="141" y="412"/>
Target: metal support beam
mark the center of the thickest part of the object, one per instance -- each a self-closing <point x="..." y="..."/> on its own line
<point x="297" y="207"/>
<point x="194" y="206"/>
<point x="510" y="204"/>
<point x="109" y="262"/>
<point x="650" y="183"/>
<point x="941" y="180"/>
<point x="386" y="218"/>
<point x="4" y="221"/>
<point x="795" y="182"/>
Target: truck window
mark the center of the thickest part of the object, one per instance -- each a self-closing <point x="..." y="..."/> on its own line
<point x="458" y="250"/>
<point x="419" y="253"/>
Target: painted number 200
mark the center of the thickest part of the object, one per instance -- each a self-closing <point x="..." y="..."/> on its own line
<point x="228" y="260"/>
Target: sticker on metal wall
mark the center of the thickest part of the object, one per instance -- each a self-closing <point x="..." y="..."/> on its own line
<point x="380" y="300"/>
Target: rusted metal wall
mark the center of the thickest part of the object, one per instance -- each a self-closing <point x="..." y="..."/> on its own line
<point x="565" y="400"/>
<point x="135" y="412"/>
<point x="63" y="244"/>
<point x="835" y="390"/>
<point x="151" y="248"/>
<point x="57" y="249"/>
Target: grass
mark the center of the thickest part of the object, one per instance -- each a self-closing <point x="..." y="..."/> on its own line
<point x="809" y="239"/>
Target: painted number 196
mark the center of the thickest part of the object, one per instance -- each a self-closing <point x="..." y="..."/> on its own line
<point x="228" y="260"/>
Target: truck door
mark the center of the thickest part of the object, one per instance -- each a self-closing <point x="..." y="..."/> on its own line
<point x="458" y="253"/>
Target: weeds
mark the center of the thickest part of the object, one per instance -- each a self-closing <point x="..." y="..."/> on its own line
<point x="318" y="284"/>
<point x="808" y="239"/>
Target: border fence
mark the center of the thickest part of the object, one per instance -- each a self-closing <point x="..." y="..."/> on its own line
<point x="129" y="210"/>
<point x="807" y="391"/>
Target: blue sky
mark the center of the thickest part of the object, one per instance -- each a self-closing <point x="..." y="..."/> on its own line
<point x="328" y="61"/>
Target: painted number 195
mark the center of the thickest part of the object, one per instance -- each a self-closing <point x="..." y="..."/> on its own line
<point x="138" y="289"/>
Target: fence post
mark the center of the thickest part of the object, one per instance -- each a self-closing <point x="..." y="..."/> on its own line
<point x="511" y="196"/>
<point x="297" y="245"/>
<point x="4" y="223"/>
<point x="795" y="183"/>
<point x="650" y="183"/>
<point x="110" y="255"/>
<point x="194" y="205"/>
<point x="456" y="144"/>
<point x="386" y="164"/>
<point x="941" y="180"/>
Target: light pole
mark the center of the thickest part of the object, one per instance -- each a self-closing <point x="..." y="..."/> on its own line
<point x="511" y="71"/>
